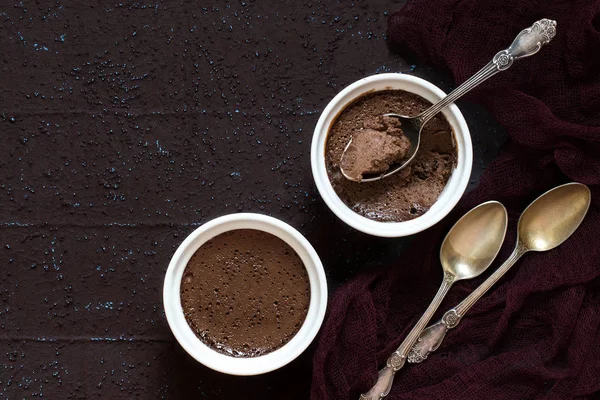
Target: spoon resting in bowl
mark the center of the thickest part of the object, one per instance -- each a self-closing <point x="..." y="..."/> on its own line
<point x="393" y="153"/>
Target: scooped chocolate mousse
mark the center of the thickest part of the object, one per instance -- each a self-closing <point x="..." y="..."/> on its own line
<point x="380" y="143"/>
<point x="245" y="293"/>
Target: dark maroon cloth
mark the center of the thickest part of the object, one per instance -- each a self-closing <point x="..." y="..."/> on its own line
<point x="536" y="334"/>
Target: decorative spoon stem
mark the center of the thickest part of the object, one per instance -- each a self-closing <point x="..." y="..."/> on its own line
<point x="432" y="337"/>
<point x="398" y="358"/>
<point x="528" y="42"/>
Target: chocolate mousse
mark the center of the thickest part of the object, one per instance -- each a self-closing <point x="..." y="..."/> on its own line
<point x="245" y="293"/>
<point x="406" y="194"/>
<point x="379" y="144"/>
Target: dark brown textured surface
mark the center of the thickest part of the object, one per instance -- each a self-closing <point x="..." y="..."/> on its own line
<point x="245" y="293"/>
<point x="408" y="193"/>
<point x="124" y="126"/>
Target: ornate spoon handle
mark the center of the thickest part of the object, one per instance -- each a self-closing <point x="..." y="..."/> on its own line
<point x="432" y="336"/>
<point x="398" y="358"/>
<point x="528" y="42"/>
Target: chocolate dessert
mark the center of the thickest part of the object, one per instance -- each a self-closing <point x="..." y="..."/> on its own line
<point x="245" y="293"/>
<point x="374" y="148"/>
<point x="380" y="143"/>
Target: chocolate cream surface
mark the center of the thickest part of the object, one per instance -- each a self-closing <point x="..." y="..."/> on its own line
<point x="245" y="293"/>
<point x="408" y="193"/>
<point x="374" y="148"/>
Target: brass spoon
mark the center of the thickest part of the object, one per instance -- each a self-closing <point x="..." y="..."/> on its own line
<point x="528" y="42"/>
<point x="546" y="223"/>
<point x="468" y="249"/>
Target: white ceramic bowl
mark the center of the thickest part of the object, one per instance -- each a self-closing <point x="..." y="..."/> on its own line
<point x="454" y="188"/>
<point x="254" y="365"/>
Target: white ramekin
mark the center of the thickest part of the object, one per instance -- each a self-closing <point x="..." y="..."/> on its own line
<point x="454" y="188"/>
<point x="253" y="365"/>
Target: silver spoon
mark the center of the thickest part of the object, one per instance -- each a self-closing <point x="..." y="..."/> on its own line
<point x="546" y="223"/>
<point x="528" y="42"/>
<point x="468" y="249"/>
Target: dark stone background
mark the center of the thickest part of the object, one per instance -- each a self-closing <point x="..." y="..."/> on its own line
<point x="125" y="125"/>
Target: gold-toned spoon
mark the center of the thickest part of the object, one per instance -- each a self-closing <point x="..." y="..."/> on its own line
<point x="546" y="223"/>
<point x="468" y="249"/>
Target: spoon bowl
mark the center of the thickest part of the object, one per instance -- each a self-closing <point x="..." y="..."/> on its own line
<point x="474" y="241"/>
<point x="411" y="128"/>
<point x="554" y="216"/>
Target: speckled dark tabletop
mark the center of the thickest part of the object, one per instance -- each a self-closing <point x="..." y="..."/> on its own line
<point x="124" y="126"/>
